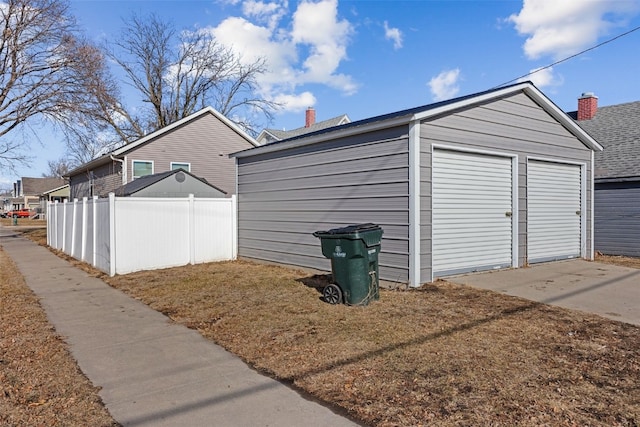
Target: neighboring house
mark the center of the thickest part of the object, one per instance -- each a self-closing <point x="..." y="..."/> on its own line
<point x="58" y="194"/>
<point x="27" y="192"/>
<point x="501" y="178"/>
<point x="617" y="173"/>
<point x="199" y="144"/>
<point x="175" y="183"/>
<point x="269" y="136"/>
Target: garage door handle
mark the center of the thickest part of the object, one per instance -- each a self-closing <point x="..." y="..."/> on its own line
<point x="578" y="213"/>
<point x="508" y="214"/>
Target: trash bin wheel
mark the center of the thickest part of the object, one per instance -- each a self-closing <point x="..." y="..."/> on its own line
<point x="332" y="294"/>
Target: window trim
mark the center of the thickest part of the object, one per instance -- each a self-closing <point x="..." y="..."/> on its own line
<point x="188" y="169"/>
<point x="133" y="168"/>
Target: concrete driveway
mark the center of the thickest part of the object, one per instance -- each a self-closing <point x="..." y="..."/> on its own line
<point x="603" y="289"/>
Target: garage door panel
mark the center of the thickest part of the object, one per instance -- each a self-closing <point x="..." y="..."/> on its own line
<point x="472" y="194"/>
<point x="554" y="208"/>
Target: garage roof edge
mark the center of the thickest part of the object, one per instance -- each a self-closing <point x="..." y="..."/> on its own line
<point x="405" y="117"/>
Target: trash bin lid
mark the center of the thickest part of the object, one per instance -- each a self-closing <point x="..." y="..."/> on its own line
<point x="355" y="228"/>
<point x="369" y="233"/>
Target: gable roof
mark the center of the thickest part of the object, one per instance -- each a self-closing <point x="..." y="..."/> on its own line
<point x="280" y="135"/>
<point x="617" y="129"/>
<point x="128" y="147"/>
<point x="405" y="117"/>
<point x="148" y="180"/>
<point x="37" y="186"/>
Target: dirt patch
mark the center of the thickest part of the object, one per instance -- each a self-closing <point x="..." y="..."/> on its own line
<point x="619" y="260"/>
<point x="40" y="383"/>
<point x="24" y="222"/>
<point x="443" y="354"/>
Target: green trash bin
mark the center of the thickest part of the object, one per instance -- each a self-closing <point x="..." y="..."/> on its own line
<point x="353" y="251"/>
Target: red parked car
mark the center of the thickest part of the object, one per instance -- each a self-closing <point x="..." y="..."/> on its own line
<point x="21" y="213"/>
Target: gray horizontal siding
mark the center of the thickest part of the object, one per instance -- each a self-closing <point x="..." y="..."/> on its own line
<point x="204" y="142"/>
<point x="283" y="197"/>
<point x="617" y="218"/>
<point x="514" y="125"/>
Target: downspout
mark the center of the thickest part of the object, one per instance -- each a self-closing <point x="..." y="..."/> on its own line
<point x="123" y="168"/>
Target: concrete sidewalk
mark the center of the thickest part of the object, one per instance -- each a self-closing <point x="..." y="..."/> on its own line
<point x="153" y="372"/>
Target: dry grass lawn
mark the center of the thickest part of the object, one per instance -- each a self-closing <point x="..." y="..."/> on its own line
<point x="40" y="383"/>
<point x="440" y="355"/>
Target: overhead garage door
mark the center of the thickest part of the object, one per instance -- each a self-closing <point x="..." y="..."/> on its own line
<point x="472" y="209"/>
<point x="554" y="211"/>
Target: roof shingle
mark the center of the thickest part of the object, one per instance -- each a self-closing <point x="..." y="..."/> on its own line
<point x="617" y="129"/>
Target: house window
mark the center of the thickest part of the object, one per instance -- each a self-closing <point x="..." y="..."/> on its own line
<point x="178" y="165"/>
<point x="142" y="168"/>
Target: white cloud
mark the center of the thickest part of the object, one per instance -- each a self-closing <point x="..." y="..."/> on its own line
<point x="296" y="103"/>
<point x="560" y="28"/>
<point x="543" y="78"/>
<point x="393" y="34"/>
<point x="310" y="51"/>
<point x="445" y="85"/>
<point x="266" y="12"/>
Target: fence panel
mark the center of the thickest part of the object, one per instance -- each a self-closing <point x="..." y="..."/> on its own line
<point x="87" y="241"/>
<point x="151" y="233"/>
<point x="148" y="233"/>
<point x="77" y="230"/>
<point x="214" y="221"/>
<point x="101" y="250"/>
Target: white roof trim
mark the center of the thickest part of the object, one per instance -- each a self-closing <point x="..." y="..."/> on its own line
<point x="526" y="87"/>
<point x="55" y="189"/>
<point x="263" y="134"/>
<point x="152" y="135"/>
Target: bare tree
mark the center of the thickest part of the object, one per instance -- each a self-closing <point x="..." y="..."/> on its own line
<point x="44" y="65"/>
<point x="57" y="168"/>
<point x="178" y="73"/>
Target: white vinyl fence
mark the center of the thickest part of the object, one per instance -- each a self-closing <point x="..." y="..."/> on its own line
<point x="121" y="235"/>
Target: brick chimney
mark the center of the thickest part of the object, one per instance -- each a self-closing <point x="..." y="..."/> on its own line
<point x="587" y="106"/>
<point x="310" y="118"/>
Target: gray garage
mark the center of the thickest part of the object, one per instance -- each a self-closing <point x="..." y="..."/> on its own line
<point x="496" y="179"/>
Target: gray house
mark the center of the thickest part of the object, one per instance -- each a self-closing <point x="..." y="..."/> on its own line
<point x="497" y="179"/>
<point x="267" y="136"/>
<point x="617" y="173"/>
<point x="175" y="183"/>
<point x="199" y="144"/>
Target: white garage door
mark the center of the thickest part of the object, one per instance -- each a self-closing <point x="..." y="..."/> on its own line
<point x="472" y="209"/>
<point x="554" y="211"/>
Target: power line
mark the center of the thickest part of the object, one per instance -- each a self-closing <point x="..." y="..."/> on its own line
<point x="569" y="57"/>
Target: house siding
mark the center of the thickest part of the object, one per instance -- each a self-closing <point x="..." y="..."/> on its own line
<point x="204" y="142"/>
<point x="287" y="195"/>
<point x="514" y="125"/>
<point x="106" y="178"/>
<point x="617" y="218"/>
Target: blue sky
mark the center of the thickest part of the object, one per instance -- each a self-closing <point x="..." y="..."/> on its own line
<point x="364" y="58"/>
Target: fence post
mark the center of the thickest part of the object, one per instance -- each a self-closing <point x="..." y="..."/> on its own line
<point x="48" y="224"/>
<point x="64" y="226"/>
<point x="74" y="226"/>
<point x="55" y="228"/>
<point x="83" y="237"/>
<point x="94" y="219"/>
<point x="234" y="227"/>
<point x="112" y="234"/>
<point x="192" y="230"/>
